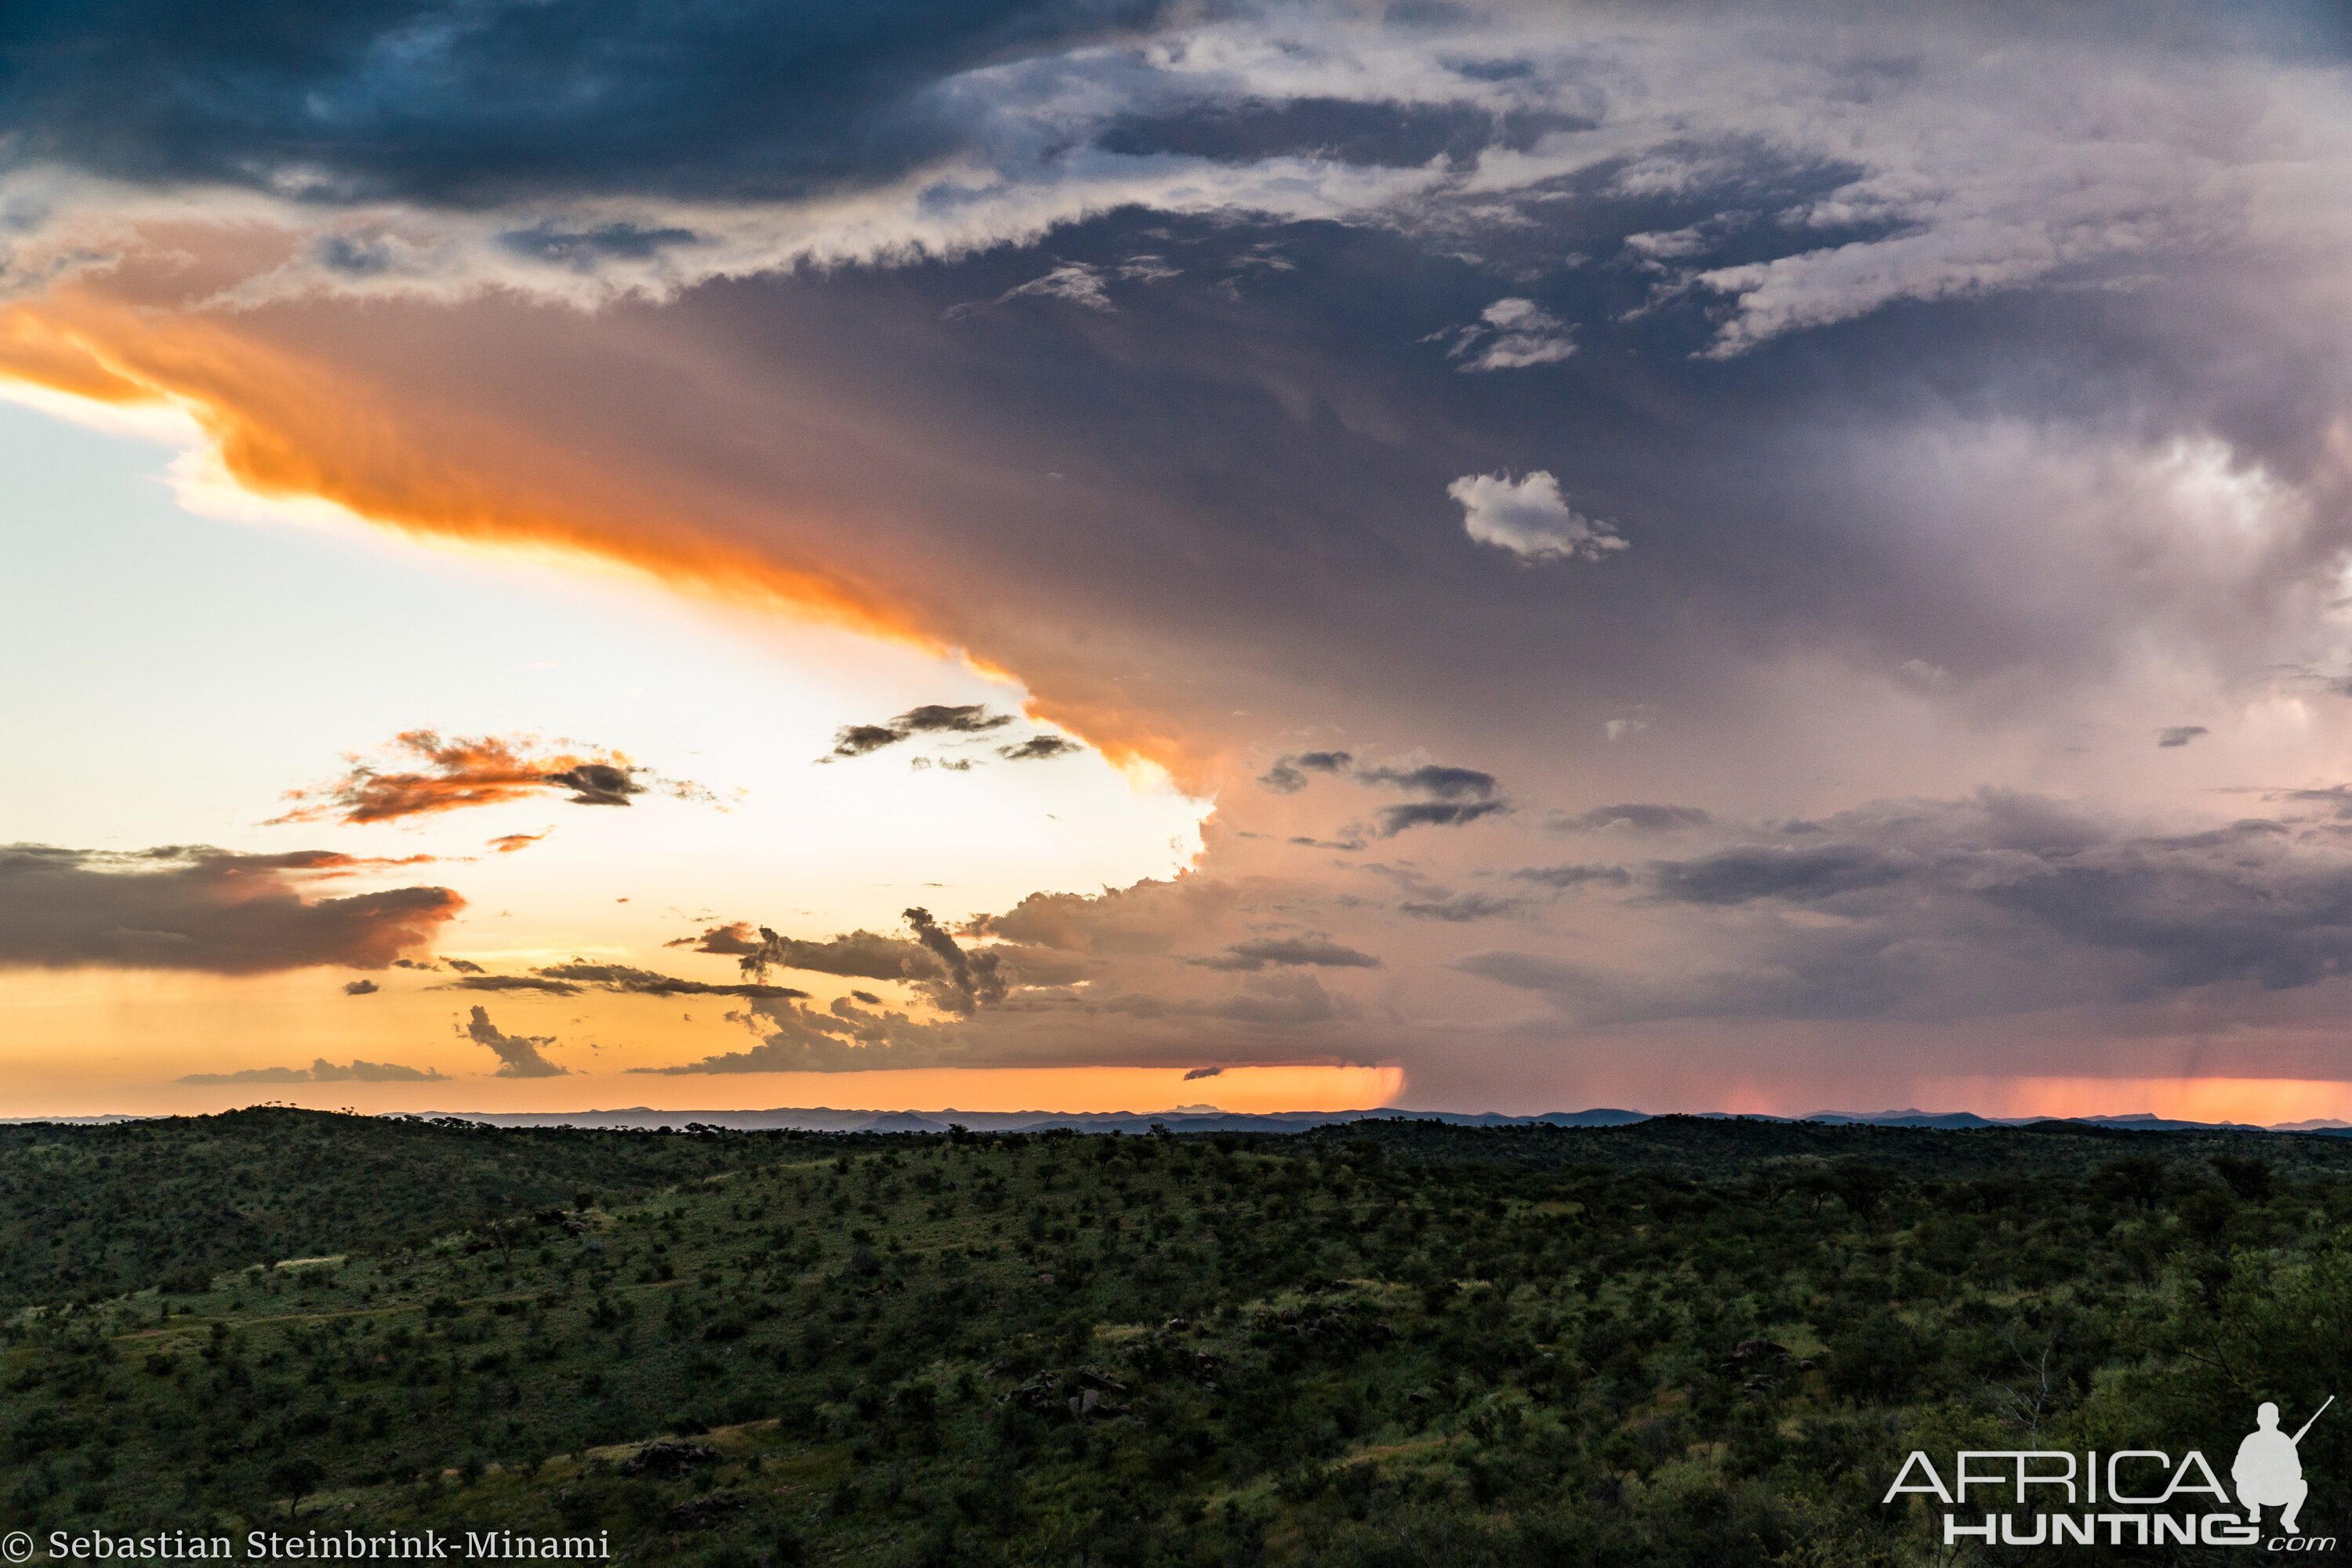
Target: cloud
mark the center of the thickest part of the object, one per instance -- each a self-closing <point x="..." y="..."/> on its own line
<point x="932" y="719"/>
<point x="1454" y="795"/>
<point x="1902" y="343"/>
<point x="461" y="772"/>
<point x="512" y="983"/>
<point x="1942" y="911"/>
<point x="735" y="940"/>
<point x="519" y="1055"/>
<point x="843" y="1036"/>
<point x="1437" y="782"/>
<point x="1074" y="281"/>
<point x="361" y="988"/>
<point x="2179" y="735"/>
<point x="1259" y="951"/>
<point x="1204" y="1072"/>
<point x="1462" y="907"/>
<point x="1560" y="878"/>
<point x="1799" y="874"/>
<point x="1040" y="749"/>
<point x="1633" y="817"/>
<point x="857" y="740"/>
<point x="1512" y="335"/>
<point x="189" y="907"/>
<point x="508" y="842"/>
<point x="321" y="1071"/>
<point x="621" y="978"/>
<point x="861" y="954"/>
<point x="1288" y="774"/>
<point x="950" y="977"/>
<point x="465" y="967"/>
<point x="1395" y="819"/>
<point x="972" y="975"/>
<point x="1285" y="1001"/>
<point x="1530" y="518"/>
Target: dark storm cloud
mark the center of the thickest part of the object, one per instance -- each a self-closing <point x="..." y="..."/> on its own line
<point x="1366" y="133"/>
<point x="471" y="104"/>
<point x="1960" y="908"/>
<point x="1909" y="377"/>
<point x="519" y="1055"/>
<point x="321" y="1071"/>
<point x="1723" y="209"/>
<point x="1633" y="816"/>
<point x="194" y="908"/>
<point x="1259" y="951"/>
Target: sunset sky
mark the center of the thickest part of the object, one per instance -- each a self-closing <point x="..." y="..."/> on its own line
<point x="1104" y="556"/>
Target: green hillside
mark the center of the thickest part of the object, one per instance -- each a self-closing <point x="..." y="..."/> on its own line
<point x="1396" y="1343"/>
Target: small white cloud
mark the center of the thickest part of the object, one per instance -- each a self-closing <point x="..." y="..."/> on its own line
<point x="1073" y="280"/>
<point x="1512" y="335"/>
<point x="1668" y="245"/>
<point x="1530" y="518"/>
<point x="1618" y="729"/>
<point x="1934" y="675"/>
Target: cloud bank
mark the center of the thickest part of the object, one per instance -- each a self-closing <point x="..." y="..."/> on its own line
<point x="321" y="1071"/>
<point x="188" y="907"/>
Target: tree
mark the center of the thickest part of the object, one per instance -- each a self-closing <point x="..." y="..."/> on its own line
<point x="295" y="1480"/>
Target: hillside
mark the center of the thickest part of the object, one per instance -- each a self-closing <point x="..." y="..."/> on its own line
<point x="1703" y="1344"/>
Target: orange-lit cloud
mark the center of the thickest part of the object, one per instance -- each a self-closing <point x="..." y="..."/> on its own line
<point x="508" y="842"/>
<point x="309" y="400"/>
<point x="485" y="770"/>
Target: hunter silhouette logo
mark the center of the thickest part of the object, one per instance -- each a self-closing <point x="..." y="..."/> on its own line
<point x="2269" y="1470"/>
<point x="2123" y="1496"/>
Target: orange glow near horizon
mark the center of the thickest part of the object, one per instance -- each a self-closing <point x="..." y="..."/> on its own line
<point x="2263" y="1102"/>
<point x="1066" y="1090"/>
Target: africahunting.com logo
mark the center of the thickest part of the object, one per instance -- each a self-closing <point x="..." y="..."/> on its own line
<point x="2131" y="1497"/>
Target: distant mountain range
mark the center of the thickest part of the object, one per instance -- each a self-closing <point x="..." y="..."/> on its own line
<point x="1208" y="1119"/>
<point x="1191" y="1119"/>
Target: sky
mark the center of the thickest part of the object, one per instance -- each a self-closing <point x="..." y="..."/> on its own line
<point x="1102" y="556"/>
